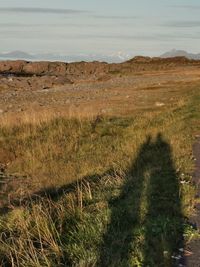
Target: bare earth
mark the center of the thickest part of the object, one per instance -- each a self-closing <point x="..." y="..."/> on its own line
<point x="120" y="94"/>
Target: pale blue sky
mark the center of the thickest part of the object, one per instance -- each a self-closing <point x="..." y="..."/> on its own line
<point x="148" y="27"/>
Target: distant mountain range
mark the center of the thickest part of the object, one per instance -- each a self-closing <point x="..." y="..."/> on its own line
<point x="16" y="55"/>
<point x="180" y="53"/>
<point x="111" y="58"/>
<point x="114" y="58"/>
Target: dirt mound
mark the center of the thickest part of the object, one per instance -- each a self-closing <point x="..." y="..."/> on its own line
<point x="140" y="59"/>
<point x="81" y="70"/>
<point x="12" y="66"/>
<point x="158" y="60"/>
<point x="78" y="71"/>
<point x="140" y="64"/>
<point x="47" y="74"/>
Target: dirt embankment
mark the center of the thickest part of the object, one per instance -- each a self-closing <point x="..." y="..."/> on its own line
<point x="89" y="70"/>
<point x="72" y="71"/>
<point x="95" y="87"/>
<point x="33" y="75"/>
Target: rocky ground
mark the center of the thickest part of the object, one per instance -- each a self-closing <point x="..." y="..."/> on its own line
<point x="99" y="90"/>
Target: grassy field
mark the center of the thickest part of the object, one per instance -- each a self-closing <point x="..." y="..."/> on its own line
<point x="103" y="191"/>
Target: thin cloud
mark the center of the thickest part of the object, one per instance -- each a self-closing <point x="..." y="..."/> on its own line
<point x="182" y="24"/>
<point x="40" y="10"/>
<point x="78" y="25"/>
<point x="19" y="25"/>
<point x="144" y="37"/>
<point x="12" y="34"/>
<point x="191" y="7"/>
<point x="115" y="17"/>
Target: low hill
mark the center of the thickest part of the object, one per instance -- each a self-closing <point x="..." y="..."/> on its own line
<point x="90" y="70"/>
<point x="180" y="53"/>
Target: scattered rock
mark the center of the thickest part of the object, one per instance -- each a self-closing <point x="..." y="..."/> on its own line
<point x="159" y="104"/>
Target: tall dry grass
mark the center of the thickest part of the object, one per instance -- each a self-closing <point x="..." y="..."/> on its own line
<point x="65" y="226"/>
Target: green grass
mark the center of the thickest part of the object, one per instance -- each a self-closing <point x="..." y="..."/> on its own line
<point x="130" y="197"/>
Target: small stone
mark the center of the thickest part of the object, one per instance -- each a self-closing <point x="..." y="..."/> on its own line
<point x="159" y="104"/>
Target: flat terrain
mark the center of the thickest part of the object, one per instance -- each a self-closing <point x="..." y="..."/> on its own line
<point x="119" y="95"/>
<point x="99" y="171"/>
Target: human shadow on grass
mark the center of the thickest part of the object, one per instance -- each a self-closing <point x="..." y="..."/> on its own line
<point x="146" y="224"/>
<point x="53" y="193"/>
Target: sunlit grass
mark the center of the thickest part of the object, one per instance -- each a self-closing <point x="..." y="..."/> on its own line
<point x="99" y="152"/>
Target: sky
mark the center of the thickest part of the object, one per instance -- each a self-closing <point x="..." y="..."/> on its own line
<point x="73" y="27"/>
